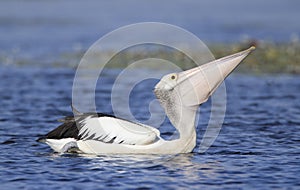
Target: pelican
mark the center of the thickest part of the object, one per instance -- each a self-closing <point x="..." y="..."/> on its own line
<point x="180" y="94"/>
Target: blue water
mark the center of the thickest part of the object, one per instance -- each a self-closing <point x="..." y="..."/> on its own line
<point x="44" y="31"/>
<point x="258" y="146"/>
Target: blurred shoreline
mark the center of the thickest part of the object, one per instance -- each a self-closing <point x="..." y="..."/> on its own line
<point x="46" y="34"/>
<point x="56" y="34"/>
<point x="268" y="58"/>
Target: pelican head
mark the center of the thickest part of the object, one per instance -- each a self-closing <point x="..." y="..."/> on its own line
<point x="180" y="94"/>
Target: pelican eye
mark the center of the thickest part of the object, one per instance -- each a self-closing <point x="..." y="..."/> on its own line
<point x="173" y="77"/>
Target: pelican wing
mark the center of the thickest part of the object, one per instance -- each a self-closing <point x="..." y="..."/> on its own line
<point x="116" y="131"/>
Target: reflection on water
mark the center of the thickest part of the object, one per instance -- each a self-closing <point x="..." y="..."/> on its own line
<point x="153" y="168"/>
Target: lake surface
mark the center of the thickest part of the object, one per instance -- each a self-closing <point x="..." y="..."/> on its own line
<point x="258" y="146"/>
<point x="44" y="31"/>
<point x="41" y="43"/>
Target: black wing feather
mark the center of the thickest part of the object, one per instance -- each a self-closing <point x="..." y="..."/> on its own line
<point x="65" y="130"/>
<point x="69" y="128"/>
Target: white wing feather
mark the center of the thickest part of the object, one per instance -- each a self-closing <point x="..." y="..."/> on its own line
<point x="117" y="131"/>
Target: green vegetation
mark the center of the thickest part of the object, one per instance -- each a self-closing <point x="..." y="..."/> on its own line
<point x="267" y="58"/>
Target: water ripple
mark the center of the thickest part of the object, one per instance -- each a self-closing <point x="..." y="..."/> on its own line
<point x="258" y="146"/>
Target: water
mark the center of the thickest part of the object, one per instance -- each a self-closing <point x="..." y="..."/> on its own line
<point x="35" y="31"/>
<point x="258" y="146"/>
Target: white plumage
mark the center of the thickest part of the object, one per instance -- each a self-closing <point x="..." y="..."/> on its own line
<point x="118" y="131"/>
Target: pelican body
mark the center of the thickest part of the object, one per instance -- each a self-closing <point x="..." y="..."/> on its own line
<point x="180" y="94"/>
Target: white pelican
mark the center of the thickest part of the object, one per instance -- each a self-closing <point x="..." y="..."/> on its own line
<point x="180" y="94"/>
